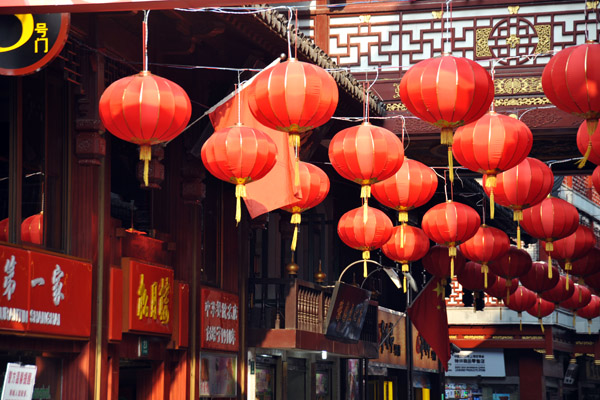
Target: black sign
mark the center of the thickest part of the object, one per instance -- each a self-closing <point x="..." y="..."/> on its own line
<point x="347" y="313"/>
<point x="30" y="41"/>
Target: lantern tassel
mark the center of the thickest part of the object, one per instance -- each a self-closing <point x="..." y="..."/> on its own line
<point x="294" y="140"/>
<point x="549" y="250"/>
<point x="402" y="216"/>
<point x="402" y="236"/>
<point x="405" y="268"/>
<point x="485" y="269"/>
<point x="541" y="324"/>
<point x="520" y="322"/>
<point x="446" y="138"/>
<point x="146" y="156"/>
<point x="365" y="193"/>
<point x="592" y="124"/>
<point x="296" y="220"/>
<point x="450" y="165"/>
<point x="574" y="318"/>
<point x="567" y="284"/>
<point x="589" y="326"/>
<point x="365" y="255"/>
<point x="452" y="254"/>
<point x="240" y="191"/>
<point x="490" y="183"/>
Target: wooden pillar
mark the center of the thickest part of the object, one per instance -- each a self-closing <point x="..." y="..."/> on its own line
<point x="531" y="376"/>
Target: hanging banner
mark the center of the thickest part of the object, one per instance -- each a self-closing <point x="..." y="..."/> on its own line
<point x="28" y="42"/>
<point x="148" y="297"/>
<point x="45" y="294"/>
<point x="219" y="321"/>
<point x="18" y="382"/>
<point x="347" y="313"/>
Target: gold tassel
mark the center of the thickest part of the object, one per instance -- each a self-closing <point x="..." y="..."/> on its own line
<point x="146" y="156"/>
<point x="294" y="140"/>
<point x="402" y="216"/>
<point x="574" y="318"/>
<point x="405" y="268"/>
<point x="365" y="193"/>
<point x="296" y="220"/>
<point x="490" y="183"/>
<point x="520" y="322"/>
<point x="591" y="124"/>
<point x="404" y="287"/>
<point x="451" y="267"/>
<point x="567" y="284"/>
<point x="518" y="236"/>
<point x="550" y="274"/>
<point x="452" y="254"/>
<point x="365" y="255"/>
<point x="549" y="250"/>
<point x="240" y="191"/>
<point x="507" y="292"/>
<point x="485" y="269"/>
<point x="450" y="165"/>
<point x="541" y="324"/>
<point x="589" y="327"/>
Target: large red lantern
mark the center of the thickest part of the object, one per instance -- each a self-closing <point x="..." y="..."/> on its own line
<point x="591" y="311"/>
<point x="550" y="220"/>
<point x="560" y="292"/>
<point x="239" y="155"/>
<point x="486" y="245"/>
<point x="583" y="140"/>
<point x="406" y="245"/>
<point x="366" y="154"/>
<point x="521" y="300"/>
<point x="571" y="81"/>
<point x="490" y="145"/>
<point x="438" y="262"/>
<point x="145" y="109"/>
<point x="365" y="235"/>
<point x="514" y="263"/>
<point x="587" y="265"/>
<point x="450" y="224"/>
<point x="314" y="185"/>
<point x="542" y="308"/>
<point x="573" y="247"/>
<point x="447" y="92"/>
<point x="536" y="279"/>
<point x="521" y="187"/>
<point x="412" y="186"/>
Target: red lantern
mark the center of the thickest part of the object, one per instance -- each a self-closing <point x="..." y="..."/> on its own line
<point x="314" y="185"/>
<point x="593" y="280"/>
<point x="32" y="229"/>
<point x="365" y="235"/>
<point x="571" y="81"/>
<point x="406" y="245"/>
<point x="412" y="186"/>
<point x="587" y="265"/>
<point x="591" y="311"/>
<point x="536" y="279"/>
<point x="447" y="92"/>
<point x="471" y="277"/>
<point x="560" y="292"/>
<point x="521" y="300"/>
<point x="501" y="288"/>
<point x="437" y="262"/>
<point x="366" y="154"/>
<point x="512" y="264"/>
<point x="580" y="298"/>
<point x="486" y="245"/>
<point x="492" y="144"/>
<point x="596" y="179"/>
<point x="550" y="220"/>
<point x="583" y="140"/>
<point x="573" y="247"/>
<point x="239" y="155"/>
<point x="541" y="309"/>
<point x="521" y="187"/>
<point x="145" y="109"/>
<point x="4" y="230"/>
<point x="450" y="224"/>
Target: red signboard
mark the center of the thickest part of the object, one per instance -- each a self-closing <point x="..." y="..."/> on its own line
<point x="115" y="305"/>
<point x="220" y="320"/>
<point x="45" y="294"/>
<point x="148" y="294"/>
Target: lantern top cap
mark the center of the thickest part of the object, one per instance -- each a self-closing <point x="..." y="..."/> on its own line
<point x="145" y="73"/>
<point x="591" y="41"/>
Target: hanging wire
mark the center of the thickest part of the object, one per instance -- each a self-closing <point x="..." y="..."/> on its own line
<point x="586" y="17"/>
<point x="239" y="98"/>
<point x="447" y="46"/>
<point x="289" y="24"/>
<point x="145" y="39"/>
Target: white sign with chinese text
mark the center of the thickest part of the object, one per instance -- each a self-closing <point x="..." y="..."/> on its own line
<point x="18" y="382"/>
<point x="488" y="362"/>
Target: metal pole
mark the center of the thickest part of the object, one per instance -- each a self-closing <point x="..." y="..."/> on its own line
<point x="409" y="352"/>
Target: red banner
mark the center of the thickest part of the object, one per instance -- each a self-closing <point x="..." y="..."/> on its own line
<point x="45" y="294"/>
<point x="148" y="305"/>
<point x="220" y="320"/>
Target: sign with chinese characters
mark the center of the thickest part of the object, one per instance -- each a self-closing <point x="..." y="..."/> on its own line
<point x="148" y="294"/>
<point x="45" y="294"/>
<point x="347" y="312"/>
<point x="220" y="320"/>
<point x="30" y="41"/>
<point x="391" y="327"/>
<point x="18" y="382"/>
<point x="488" y="362"/>
<point x="424" y="357"/>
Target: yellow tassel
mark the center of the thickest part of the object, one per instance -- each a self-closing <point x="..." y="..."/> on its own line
<point x="507" y="292"/>
<point x="405" y="268"/>
<point x="450" y="164"/>
<point x="567" y="284"/>
<point x="490" y="183"/>
<point x="404" y="287"/>
<point x="365" y="193"/>
<point x="518" y="215"/>
<point x="451" y="267"/>
<point x="446" y="136"/>
<point x="485" y="269"/>
<point x="294" y="140"/>
<point x="541" y="324"/>
<point x="365" y="255"/>
<point x="592" y="124"/>
<point x="492" y="206"/>
<point x="240" y="191"/>
<point x="402" y="216"/>
<point x="549" y="266"/>
<point x="452" y="254"/>
<point x="589" y="327"/>
<point x="520" y="322"/>
<point x="294" y="238"/>
<point x="146" y="156"/>
<point x="518" y="236"/>
<point x="550" y="274"/>
<point x="568" y="266"/>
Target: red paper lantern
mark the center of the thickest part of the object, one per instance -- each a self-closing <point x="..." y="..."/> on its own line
<point x="580" y="298"/>
<point x="486" y="245"/>
<point x="573" y="247"/>
<point x="314" y="186"/>
<point x="550" y="220"/>
<point x="521" y="187"/>
<point x="583" y="140"/>
<point x="596" y="179"/>
<point x="521" y="300"/>
<point x="542" y="308"/>
<point x="587" y="265"/>
<point x="560" y="292"/>
<point x="412" y="186"/>
<point x="501" y="288"/>
<point x="145" y="109"/>
<point x="239" y="155"/>
<point x="32" y="229"/>
<point x="365" y="235"/>
<point x="514" y="263"/>
<point x="447" y="92"/>
<point x="490" y="145"/>
<point x="437" y="262"/>
<point x="450" y="224"/>
<point x="471" y="277"/>
<point x="571" y="81"/>
<point x="591" y="311"/>
<point x="536" y="279"/>
<point x="4" y="230"/>
<point x="366" y="154"/>
<point x="406" y="245"/>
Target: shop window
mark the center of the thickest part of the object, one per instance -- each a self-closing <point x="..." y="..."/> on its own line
<point x="48" y="373"/>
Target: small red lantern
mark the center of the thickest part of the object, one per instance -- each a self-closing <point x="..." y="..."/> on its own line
<point x="450" y="224"/>
<point x="314" y="185"/>
<point x="550" y="220"/>
<point x="580" y="298"/>
<point x="521" y="300"/>
<point x="587" y="265"/>
<point x="583" y="140"/>
<point x="366" y="154"/>
<point x="447" y="92"/>
<point x="596" y="179"/>
<point x="471" y="277"/>
<point x="497" y="286"/>
<point x="536" y="279"/>
<point x="571" y="81"/>
<point x="365" y="235"/>
<point x="591" y="311"/>
<point x="145" y="109"/>
<point x="486" y="245"/>
<point x="32" y="229"/>
<point x="573" y="247"/>
<point x="542" y="308"/>
<point x="521" y="187"/>
<point x="560" y="292"/>
<point x="438" y="262"/>
<point x="512" y="264"/>
<point x="239" y="155"/>
<point x="4" y="230"/>
<point x="406" y="245"/>
<point x="490" y="145"/>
